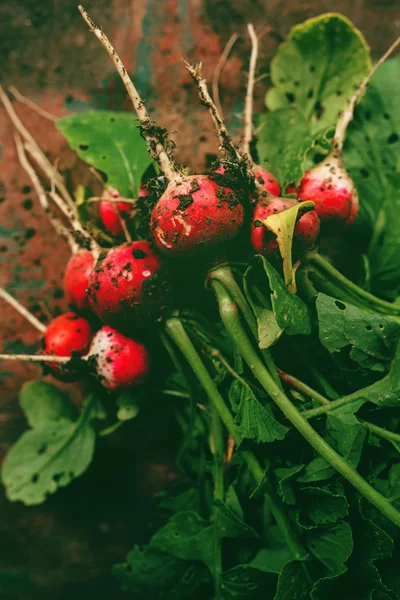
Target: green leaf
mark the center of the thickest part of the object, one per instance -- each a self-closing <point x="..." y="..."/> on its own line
<point x="50" y="455"/>
<point x="321" y="506"/>
<point x="268" y="329"/>
<point x="111" y="142"/>
<point x="290" y="311"/>
<point x="348" y="435"/>
<point x="293" y="583"/>
<point x="284" y="140"/>
<point x="229" y="524"/>
<point x="318" y="68"/>
<point x="247" y="583"/>
<point x="284" y="478"/>
<point x="43" y="403"/>
<point x="371" y="156"/>
<point x="316" y="470"/>
<point x="128" y="407"/>
<point x="370" y="337"/>
<point x="332" y="545"/>
<point x="272" y="560"/>
<point x="150" y="575"/>
<point x="256" y="421"/>
<point x="394" y="482"/>
<point x="282" y="225"/>
<point x="186" y="536"/>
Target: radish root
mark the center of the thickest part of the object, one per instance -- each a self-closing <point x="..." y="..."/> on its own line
<point x="24" y="312"/>
<point x="218" y="70"/>
<point x="155" y="136"/>
<point x="248" y="110"/>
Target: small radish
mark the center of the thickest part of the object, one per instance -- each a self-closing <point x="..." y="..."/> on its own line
<point x="331" y="189"/>
<point x="118" y="360"/>
<point x="76" y="278"/>
<point x="127" y="284"/>
<point x="111" y="212"/>
<point x="264" y="241"/>
<point x="66" y="335"/>
<point x="328" y="184"/>
<point x="267" y="180"/>
<point x="291" y="189"/>
<point x="195" y="213"/>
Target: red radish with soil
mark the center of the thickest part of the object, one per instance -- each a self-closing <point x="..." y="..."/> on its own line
<point x="119" y="361"/>
<point x="195" y="214"/>
<point x="111" y="212"/>
<point x="264" y="241"/>
<point x="128" y="283"/>
<point x="328" y="184"/>
<point x="189" y="202"/>
<point x="76" y="279"/>
<point x="67" y="335"/>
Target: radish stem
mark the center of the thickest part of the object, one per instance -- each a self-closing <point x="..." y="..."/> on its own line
<point x="22" y="311"/>
<point x="229" y="316"/>
<point x="177" y="333"/>
<point x="38" y="358"/>
<point x="155" y="137"/>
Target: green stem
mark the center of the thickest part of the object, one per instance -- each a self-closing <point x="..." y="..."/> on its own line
<point x="219" y="493"/>
<point x="111" y="429"/>
<point x="225" y="276"/>
<point x="232" y="324"/>
<point x="306" y="389"/>
<point x="178" y="334"/>
<point x="381" y="305"/>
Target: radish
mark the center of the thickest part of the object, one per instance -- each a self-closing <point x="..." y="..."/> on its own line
<point x="127" y="284"/>
<point x="66" y="335"/>
<point x="111" y="212"/>
<point x="192" y="206"/>
<point x="328" y="184"/>
<point x="76" y="278"/>
<point x="264" y="241"/>
<point x="195" y="213"/>
<point x="119" y="361"/>
<point x="267" y="180"/>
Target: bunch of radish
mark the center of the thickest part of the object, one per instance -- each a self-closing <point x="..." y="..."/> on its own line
<point x="119" y="291"/>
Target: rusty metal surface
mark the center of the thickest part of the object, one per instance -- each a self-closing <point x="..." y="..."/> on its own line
<point x="47" y="52"/>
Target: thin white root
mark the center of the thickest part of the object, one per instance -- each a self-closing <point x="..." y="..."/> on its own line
<point x="225" y="139"/>
<point x="40" y="111"/>
<point x="58" y="226"/>
<point x="347" y="114"/>
<point x="22" y="311"/>
<point x="102" y="199"/>
<point x="36" y="152"/>
<point x="218" y="71"/>
<point x="159" y="152"/>
<point x="38" y="358"/>
<point x="248" y="107"/>
<point x="51" y="173"/>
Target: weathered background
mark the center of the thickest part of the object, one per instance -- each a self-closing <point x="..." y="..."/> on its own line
<point x="68" y="546"/>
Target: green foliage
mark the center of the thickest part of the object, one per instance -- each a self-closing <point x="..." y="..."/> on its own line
<point x="317" y="69"/>
<point x="57" y="449"/>
<point x="370" y="338"/>
<point x="371" y="156"/>
<point x="111" y="143"/>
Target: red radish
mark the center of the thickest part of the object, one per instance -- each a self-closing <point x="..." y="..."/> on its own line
<point x="119" y="361"/>
<point x="66" y="335"/>
<point x="112" y="212"/>
<point x="76" y="279"/>
<point x="195" y="213"/>
<point x="331" y="189"/>
<point x="267" y="180"/>
<point x="264" y="241"/>
<point x="291" y="189"/>
<point x="328" y="184"/>
<point x="127" y="282"/>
